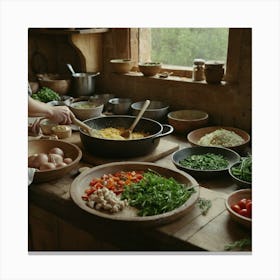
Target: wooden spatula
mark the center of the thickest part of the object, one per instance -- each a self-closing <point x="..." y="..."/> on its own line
<point x="91" y="131"/>
<point x="127" y="133"/>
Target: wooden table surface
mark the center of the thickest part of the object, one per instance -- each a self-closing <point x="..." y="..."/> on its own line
<point x="192" y="232"/>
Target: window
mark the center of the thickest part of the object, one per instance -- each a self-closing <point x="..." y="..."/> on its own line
<point x="180" y="46"/>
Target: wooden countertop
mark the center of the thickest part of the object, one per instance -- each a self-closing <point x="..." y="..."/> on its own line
<point x="192" y="232"/>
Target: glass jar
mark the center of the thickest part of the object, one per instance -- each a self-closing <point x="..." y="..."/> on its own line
<point x="198" y="69"/>
<point x="214" y="71"/>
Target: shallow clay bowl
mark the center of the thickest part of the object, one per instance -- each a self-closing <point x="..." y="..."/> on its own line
<point x="121" y="66"/>
<point x="149" y="69"/>
<point x="129" y="214"/>
<point x="195" y="135"/>
<point x="184" y="121"/>
<point x="230" y="155"/>
<point x="233" y="198"/>
<point x="43" y="146"/>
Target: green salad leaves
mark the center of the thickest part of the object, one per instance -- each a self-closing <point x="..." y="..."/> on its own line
<point x="206" y="161"/>
<point x="45" y="95"/>
<point x="155" y="194"/>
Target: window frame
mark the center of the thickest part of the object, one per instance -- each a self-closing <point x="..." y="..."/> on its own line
<point x="137" y="45"/>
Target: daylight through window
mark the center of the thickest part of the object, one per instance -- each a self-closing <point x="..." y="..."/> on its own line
<point x="180" y="46"/>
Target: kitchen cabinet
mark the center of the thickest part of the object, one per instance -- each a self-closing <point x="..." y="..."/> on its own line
<point x="57" y="224"/>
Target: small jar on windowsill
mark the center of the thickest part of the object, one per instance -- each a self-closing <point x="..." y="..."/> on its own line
<point x="198" y="70"/>
<point x="214" y="71"/>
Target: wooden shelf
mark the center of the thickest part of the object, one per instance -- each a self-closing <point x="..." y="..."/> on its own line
<point x="67" y="31"/>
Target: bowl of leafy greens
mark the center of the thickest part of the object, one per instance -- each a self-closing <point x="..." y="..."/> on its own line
<point x="241" y="172"/>
<point x="205" y="161"/>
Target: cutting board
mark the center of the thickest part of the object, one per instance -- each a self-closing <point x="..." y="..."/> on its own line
<point x="164" y="148"/>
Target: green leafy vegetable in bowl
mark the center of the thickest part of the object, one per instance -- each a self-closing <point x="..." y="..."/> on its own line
<point x="243" y="170"/>
<point x="155" y="194"/>
<point x="206" y="161"/>
<point x="46" y="95"/>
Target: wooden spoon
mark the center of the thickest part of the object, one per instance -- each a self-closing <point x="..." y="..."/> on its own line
<point x="91" y="131"/>
<point x="127" y="132"/>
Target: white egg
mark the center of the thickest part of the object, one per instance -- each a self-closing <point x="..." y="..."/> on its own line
<point x="57" y="151"/>
<point x="55" y="158"/>
<point x="31" y="159"/>
<point x="40" y="159"/>
<point x="67" y="160"/>
<point x="62" y="164"/>
<point x="47" y="166"/>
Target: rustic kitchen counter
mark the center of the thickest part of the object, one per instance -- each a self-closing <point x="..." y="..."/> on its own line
<point x="56" y="223"/>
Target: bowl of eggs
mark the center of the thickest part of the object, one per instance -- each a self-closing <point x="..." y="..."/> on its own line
<point x="52" y="159"/>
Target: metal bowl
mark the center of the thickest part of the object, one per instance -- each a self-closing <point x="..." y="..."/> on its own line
<point x="157" y="110"/>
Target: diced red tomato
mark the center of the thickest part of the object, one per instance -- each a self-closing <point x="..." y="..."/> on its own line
<point x="114" y="182"/>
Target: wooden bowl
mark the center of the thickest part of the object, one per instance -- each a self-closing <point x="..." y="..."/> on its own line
<point x="129" y="214"/>
<point x="232" y="199"/>
<point x="58" y="83"/>
<point x="150" y="68"/>
<point x="184" y="121"/>
<point x="43" y="146"/>
<point x="121" y="66"/>
<point x="231" y="156"/>
<point x="195" y="135"/>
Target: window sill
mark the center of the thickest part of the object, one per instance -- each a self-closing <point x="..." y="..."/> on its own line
<point x="172" y="78"/>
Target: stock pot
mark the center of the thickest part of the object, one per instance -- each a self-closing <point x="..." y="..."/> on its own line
<point x="124" y="148"/>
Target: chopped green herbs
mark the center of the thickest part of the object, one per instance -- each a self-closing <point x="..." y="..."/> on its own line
<point x="155" y="194"/>
<point x="206" y="161"/>
<point x="204" y="205"/>
<point x="45" y="94"/>
<point x="243" y="170"/>
<point x="241" y="244"/>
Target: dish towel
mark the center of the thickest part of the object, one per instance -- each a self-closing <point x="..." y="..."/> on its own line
<point x="31" y="172"/>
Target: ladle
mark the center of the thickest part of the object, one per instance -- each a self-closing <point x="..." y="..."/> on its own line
<point x="127" y="132"/>
<point x="71" y="68"/>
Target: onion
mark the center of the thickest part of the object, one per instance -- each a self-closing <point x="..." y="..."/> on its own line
<point x="67" y="160"/>
<point x="57" y="151"/>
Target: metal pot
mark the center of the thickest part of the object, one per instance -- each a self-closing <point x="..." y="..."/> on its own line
<point x="124" y="148"/>
<point x="83" y="84"/>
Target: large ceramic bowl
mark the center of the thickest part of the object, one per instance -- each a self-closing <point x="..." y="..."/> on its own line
<point x="121" y="66"/>
<point x="43" y="146"/>
<point x="184" y="121"/>
<point x="129" y="214"/>
<point x="56" y="82"/>
<point x="195" y="135"/>
<point x="232" y="199"/>
<point x="149" y="69"/>
<point x="84" y="110"/>
<point x="229" y="155"/>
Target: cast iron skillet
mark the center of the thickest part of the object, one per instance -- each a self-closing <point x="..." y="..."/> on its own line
<point x="124" y="148"/>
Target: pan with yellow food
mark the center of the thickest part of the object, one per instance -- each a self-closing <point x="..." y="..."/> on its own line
<point x="108" y="141"/>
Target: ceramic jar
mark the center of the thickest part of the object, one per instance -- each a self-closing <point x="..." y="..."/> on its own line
<point x="214" y="71"/>
<point x="198" y="69"/>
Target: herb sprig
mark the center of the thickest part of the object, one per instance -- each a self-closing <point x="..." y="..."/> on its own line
<point x="239" y="244"/>
<point x="204" y="205"/>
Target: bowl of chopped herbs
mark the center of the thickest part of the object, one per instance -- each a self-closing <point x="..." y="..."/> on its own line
<point x="205" y="161"/>
<point x="241" y="172"/>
